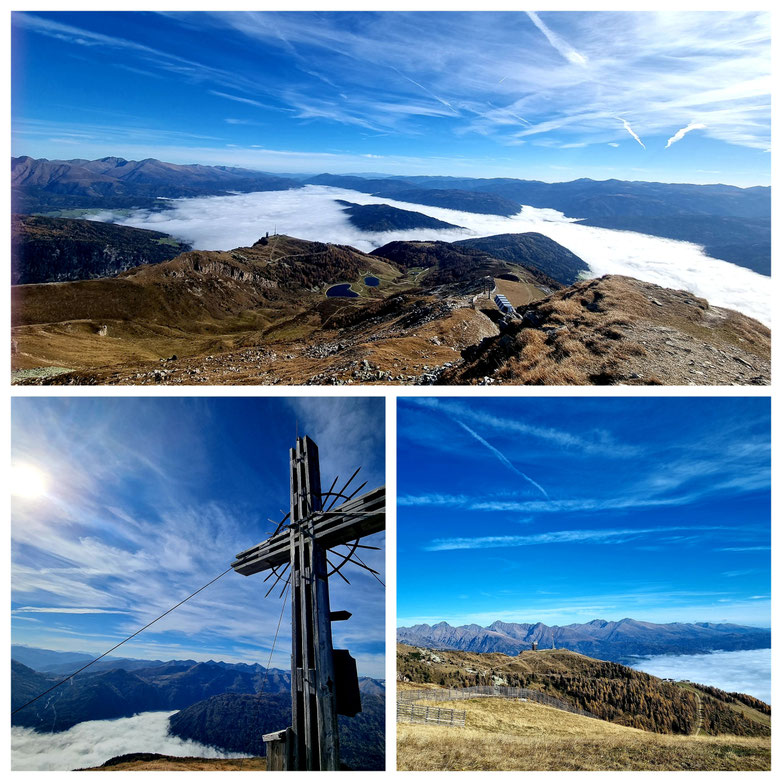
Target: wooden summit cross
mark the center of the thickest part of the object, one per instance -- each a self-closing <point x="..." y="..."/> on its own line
<point x="324" y="681"/>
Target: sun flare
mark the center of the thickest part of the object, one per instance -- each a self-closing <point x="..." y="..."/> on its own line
<point x="28" y="481"/>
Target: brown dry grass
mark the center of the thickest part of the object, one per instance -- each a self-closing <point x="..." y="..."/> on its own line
<point x="188" y="764"/>
<point x="502" y="735"/>
<point x="589" y="334"/>
<point x="519" y="294"/>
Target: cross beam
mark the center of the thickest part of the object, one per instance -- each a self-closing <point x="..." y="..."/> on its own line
<point x="312" y="742"/>
<point x="354" y="519"/>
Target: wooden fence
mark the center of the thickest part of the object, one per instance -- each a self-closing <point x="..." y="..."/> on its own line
<point x="481" y="691"/>
<point x="410" y="712"/>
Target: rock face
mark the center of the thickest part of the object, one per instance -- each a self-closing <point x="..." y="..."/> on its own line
<point x="613" y="641"/>
<point x="49" y="249"/>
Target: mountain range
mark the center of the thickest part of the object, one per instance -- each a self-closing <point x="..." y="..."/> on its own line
<point x="226" y="705"/>
<point x="613" y="641"/>
<point x="237" y="723"/>
<point x="120" y="688"/>
<point x="41" y="185"/>
<point x="733" y="224"/>
<point x="377" y="218"/>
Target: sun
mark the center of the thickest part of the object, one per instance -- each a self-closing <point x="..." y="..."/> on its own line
<point x="28" y="481"/>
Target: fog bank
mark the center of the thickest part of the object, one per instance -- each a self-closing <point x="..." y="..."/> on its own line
<point x="746" y="671"/>
<point x="226" y="222"/>
<point x="96" y="741"/>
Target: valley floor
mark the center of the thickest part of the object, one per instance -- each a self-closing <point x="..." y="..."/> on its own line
<point x="502" y="735"/>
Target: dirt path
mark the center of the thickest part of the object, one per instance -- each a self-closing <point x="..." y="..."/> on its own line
<point x="699" y="714"/>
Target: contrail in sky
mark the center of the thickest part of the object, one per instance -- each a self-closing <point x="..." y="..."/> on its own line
<point x="501" y="456"/>
<point x="631" y="131"/>
<point x="562" y="46"/>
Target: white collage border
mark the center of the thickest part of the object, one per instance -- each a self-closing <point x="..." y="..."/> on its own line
<point x="391" y="393"/>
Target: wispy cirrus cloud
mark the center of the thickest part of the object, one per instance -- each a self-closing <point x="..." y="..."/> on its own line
<point x="503" y="459"/>
<point x="566" y="74"/>
<point x="124" y="533"/>
<point x="594" y="536"/>
<point x="503" y="82"/>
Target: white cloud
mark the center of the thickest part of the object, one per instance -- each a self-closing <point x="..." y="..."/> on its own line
<point x="94" y="742"/>
<point x="226" y="222"/>
<point x="680" y="134"/>
<point x="745" y="671"/>
<point x="63" y="610"/>
<point x="597" y="536"/>
<point x="597" y="442"/>
<point x="490" y="67"/>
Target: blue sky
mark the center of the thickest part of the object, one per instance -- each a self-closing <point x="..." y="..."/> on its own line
<point x="566" y="510"/>
<point x="551" y="95"/>
<point x="149" y="499"/>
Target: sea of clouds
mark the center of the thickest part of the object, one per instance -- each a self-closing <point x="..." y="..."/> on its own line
<point x="746" y="671"/>
<point x="225" y="222"/>
<point x="94" y="742"/>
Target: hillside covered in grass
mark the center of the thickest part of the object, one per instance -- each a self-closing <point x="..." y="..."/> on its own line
<point x="505" y="735"/>
<point x="610" y="691"/>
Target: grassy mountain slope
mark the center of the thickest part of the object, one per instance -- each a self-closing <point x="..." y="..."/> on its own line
<point x="150" y="761"/>
<point x="465" y="267"/>
<point x="615" y="330"/>
<point x="195" y="304"/>
<point x="643" y="723"/>
<point x="504" y="735"/>
<point x="610" y="691"/>
<point x="230" y="317"/>
<point x="532" y="250"/>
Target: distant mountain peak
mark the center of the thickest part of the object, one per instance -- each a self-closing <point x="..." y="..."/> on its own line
<point x="615" y="641"/>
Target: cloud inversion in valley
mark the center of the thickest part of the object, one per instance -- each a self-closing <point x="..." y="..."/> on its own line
<point x="226" y="222"/>
<point x="94" y="742"/>
<point x="745" y="671"/>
